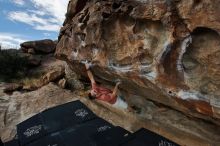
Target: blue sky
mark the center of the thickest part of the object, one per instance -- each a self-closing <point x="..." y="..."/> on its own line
<point x="24" y="20"/>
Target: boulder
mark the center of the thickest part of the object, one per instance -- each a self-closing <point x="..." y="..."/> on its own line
<point x="41" y="46"/>
<point x="62" y="83"/>
<point x="34" y="60"/>
<point x="32" y="86"/>
<point x="53" y="75"/>
<point x="31" y="51"/>
<point x="169" y="123"/>
<point x="164" y="51"/>
<point x="11" y="87"/>
<point x="72" y="79"/>
<point x="42" y="70"/>
<point x="24" y="50"/>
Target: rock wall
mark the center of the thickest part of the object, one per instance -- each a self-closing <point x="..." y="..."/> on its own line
<point x="166" y="51"/>
<point x="19" y="106"/>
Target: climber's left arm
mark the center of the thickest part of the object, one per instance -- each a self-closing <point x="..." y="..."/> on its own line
<point x="115" y="90"/>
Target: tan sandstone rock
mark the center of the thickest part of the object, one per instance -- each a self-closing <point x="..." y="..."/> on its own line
<point x="169" y="123"/>
<point x="152" y="43"/>
<point x="163" y="51"/>
<point x="53" y="75"/>
<point x="62" y="83"/>
<point x="11" y="87"/>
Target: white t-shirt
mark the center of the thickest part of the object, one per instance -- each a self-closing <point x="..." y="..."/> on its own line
<point x="120" y="103"/>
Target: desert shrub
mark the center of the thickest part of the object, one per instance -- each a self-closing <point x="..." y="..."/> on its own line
<point x="12" y="65"/>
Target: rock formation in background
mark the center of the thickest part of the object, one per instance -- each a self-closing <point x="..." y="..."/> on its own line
<point x="32" y="79"/>
<point x="43" y="65"/>
<point x="41" y="46"/>
<point x="40" y="66"/>
<point x="165" y="51"/>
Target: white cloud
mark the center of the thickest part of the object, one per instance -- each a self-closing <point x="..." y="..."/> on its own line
<point x="47" y="15"/>
<point x="46" y="34"/>
<point x="40" y="13"/>
<point x="37" y="22"/>
<point x="44" y="15"/>
<point x="10" y="40"/>
<point x="48" y="27"/>
<point x="19" y="2"/>
<point x="55" y="8"/>
<point x="25" y="18"/>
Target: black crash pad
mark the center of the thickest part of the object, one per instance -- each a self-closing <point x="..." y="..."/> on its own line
<point x="53" y="120"/>
<point x="12" y="143"/>
<point x="112" y="137"/>
<point x="81" y="134"/>
<point x="144" y="137"/>
<point x="57" y="139"/>
<point x="31" y="129"/>
<point x="73" y="138"/>
<point x="92" y="127"/>
<point x="66" y="115"/>
<point x="49" y="140"/>
<point x="78" y="135"/>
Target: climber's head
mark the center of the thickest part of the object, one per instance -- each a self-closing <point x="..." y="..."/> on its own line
<point x="92" y="95"/>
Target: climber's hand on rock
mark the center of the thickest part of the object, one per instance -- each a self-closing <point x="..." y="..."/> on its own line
<point x="87" y="66"/>
<point x="118" y="82"/>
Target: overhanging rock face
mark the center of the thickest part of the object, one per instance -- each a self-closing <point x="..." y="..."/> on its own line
<point x="165" y="51"/>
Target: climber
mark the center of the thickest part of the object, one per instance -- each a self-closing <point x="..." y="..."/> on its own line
<point x="105" y="94"/>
